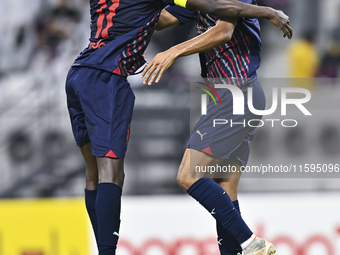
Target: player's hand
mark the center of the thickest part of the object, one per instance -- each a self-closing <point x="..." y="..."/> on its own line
<point x="158" y="65"/>
<point x="281" y="20"/>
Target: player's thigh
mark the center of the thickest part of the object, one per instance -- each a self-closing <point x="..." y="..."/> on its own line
<point x="76" y="113"/>
<point x="220" y="132"/>
<point x="258" y="96"/>
<point x="90" y="160"/>
<point x="230" y="169"/>
<point x="245" y="137"/>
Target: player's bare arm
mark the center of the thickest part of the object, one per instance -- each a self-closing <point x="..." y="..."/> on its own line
<point x="236" y="9"/>
<point x="218" y="35"/>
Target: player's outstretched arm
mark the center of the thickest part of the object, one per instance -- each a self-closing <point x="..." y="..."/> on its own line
<point x="235" y="9"/>
<point x="218" y="35"/>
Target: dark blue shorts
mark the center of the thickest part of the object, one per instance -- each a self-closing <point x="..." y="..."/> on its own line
<point x="100" y="105"/>
<point x="228" y="141"/>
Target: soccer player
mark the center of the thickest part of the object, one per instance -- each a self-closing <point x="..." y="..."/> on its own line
<point x="100" y="100"/>
<point x="229" y="54"/>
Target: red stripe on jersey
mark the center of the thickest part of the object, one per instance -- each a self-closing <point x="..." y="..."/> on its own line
<point x="214" y="58"/>
<point x="239" y="60"/>
<point x="217" y="64"/>
<point x="212" y="67"/>
<point x="102" y="4"/>
<point x="244" y="71"/>
<point x="112" y="13"/>
<point x="128" y="52"/>
<point x="221" y="68"/>
<point x="230" y="60"/>
<point x="243" y="50"/>
<point x="128" y="134"/>
<point x="140" y="39"/>
<point x="232" y="63"/>
<point x="247" y="38"/>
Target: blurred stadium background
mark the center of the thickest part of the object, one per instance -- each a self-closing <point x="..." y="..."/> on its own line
<point x="42" y="171"/>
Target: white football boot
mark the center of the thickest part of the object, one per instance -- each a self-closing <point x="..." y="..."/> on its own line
<point x="259" y="246"/>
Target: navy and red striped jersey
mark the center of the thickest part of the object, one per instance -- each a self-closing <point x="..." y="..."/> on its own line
<point x="235" y="62"/>
<point x="120" y="33"/>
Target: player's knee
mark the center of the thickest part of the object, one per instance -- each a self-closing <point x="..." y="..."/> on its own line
<point x="180" y="180"/>
<point x="183" y="181"/>
<point x="232" y="194"/>
<point x="122" y="177"/>
<point x="112" y="175"/>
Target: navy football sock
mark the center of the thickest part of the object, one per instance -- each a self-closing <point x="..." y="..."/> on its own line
<point x="90" y="202"/>
<point x="108" y="215"/>
<point x="211" y="195"/>
<point x="227" y="243"/>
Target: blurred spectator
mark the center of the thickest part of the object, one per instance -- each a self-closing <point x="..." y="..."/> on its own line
<point x="43" y="29"/>
<point x="56" y="25"/>
<point x="330" y="63"/>
<point x="17" y="34"/>
<point x="303" y="60"/>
